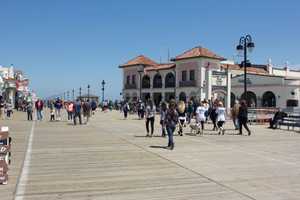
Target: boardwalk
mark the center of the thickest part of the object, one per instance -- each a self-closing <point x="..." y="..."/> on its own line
<point x="111" y="159"/>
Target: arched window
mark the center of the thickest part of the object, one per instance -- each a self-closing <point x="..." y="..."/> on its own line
<point x="182" y="96"/>
<point x="170" y="80"/>
<point x="268" y="99"/>
<point x="251" y="99"/>
<point x="146" y="81"/>
<point x="157" y="81"/>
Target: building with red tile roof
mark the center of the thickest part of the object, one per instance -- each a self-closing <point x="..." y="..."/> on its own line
<point x="198" y="52"/>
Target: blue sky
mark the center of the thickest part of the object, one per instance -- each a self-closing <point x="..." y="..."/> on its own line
<point x="65" y="44"/>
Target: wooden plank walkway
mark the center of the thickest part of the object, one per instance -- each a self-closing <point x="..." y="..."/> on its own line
<point x="111" y="159"/>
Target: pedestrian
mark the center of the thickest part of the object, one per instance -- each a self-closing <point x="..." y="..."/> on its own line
<point x="52" y="115"/>
<point x="171" y="121"/>
<point x="213" y="115"/>
<point x="141" y="109"/>
<point x="9" y="109"/>
<point x="58" y="106"/>
<point x="29" y="110"/>
<point x="200" y="117"/>
<point x="181" y="110"/>
<point x="221" y="117"/>
<point x="150" y="117"/>
<point x="234" y="114"/>
<point x="39" y="105"/>
<point x="86" y="108"/>
<point x="70" y="110"/>
<point x="2" y="108"/>
<point x="93" y="106"/>
<point x="190" y="111"/>
<point x="163" y="112"/>
<point x="243" y="118"/>
<point x="125" y="110"/>
<point x="77" y="112"/>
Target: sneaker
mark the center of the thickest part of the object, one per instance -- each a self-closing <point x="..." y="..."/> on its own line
<point x="249" y="133"/>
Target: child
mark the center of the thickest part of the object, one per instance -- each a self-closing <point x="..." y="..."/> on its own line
<point x="52" y="115"/>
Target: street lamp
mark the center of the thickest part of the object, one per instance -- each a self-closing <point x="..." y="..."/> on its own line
<point x="80" y="93"/>
<point x="88" y="91"/>
<point x="245" y="45"/>
<point x="103" y="84"/>
<point x="73" y="94"/>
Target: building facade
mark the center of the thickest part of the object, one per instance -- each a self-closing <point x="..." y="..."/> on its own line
<point x="14" y="86"/>
<point x="201" y="74"/>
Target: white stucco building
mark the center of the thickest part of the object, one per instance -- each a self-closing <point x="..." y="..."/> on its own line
<point x="199" y="73"/>
<point x="13" y="84"/>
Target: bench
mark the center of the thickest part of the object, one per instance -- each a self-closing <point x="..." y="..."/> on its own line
<point x="292" y="120"/>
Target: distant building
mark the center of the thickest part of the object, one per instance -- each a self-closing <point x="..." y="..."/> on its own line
<point x="13" y="85"/>
<point x="201" y="74"/>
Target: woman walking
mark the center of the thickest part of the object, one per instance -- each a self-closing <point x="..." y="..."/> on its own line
<point x="150" y="117"/>
<point x="171" y="121"/>
<point x="243" y="118"/>
<point x="163" y="113"/>
<point x="234" y="114"/>
<point x="125" y="110"/>
<point x="200" y="117"/>
<point x="221" y="117"/>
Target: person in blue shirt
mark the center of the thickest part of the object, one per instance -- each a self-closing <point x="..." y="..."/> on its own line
<point x="77" y="112"/>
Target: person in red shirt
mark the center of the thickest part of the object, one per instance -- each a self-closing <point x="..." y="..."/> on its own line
<point x="39" y="105"/>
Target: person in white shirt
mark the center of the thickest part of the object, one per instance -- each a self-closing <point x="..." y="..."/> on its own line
<point x="200" y="116"/>
<point x="221" y="117"/>
<point x="150" y="116"/>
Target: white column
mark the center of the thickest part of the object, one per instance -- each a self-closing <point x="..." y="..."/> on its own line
<point x="208" y="78"/>
<point x="228" y="92"/>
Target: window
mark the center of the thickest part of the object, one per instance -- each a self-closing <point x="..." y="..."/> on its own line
<point x="133" y="79"/>
<point x="291" y="103"/>
<point x="192" y="75"/>
<point x="128" y="80"/>
<point x="183" y="75"/>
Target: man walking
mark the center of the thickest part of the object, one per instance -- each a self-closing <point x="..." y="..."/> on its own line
<point x="77" y="112"/>
<point x="58" y="106"/>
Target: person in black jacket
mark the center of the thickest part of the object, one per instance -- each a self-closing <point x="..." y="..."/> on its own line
<point x="243" y="118"/>
<point x="279" y="115"/>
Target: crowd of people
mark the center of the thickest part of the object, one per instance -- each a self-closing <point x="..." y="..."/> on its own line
<point x="176" y="116"/>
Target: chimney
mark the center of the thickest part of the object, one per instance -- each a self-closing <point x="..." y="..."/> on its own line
<point x="270" y="66"/>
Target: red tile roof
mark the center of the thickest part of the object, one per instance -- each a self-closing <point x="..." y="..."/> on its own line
<point x="253" y="69"/>
<point x="161" y="67"/>
<point x="198" y="52"/>
<point x="139" y="60"/>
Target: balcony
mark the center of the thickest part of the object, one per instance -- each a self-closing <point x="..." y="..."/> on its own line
<point x="187" y="83"/>
<point x="130" y="86"/>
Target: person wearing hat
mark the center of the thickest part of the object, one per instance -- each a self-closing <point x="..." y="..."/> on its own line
<point x="171" y="121"/>
<point x="221" y="117"/>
